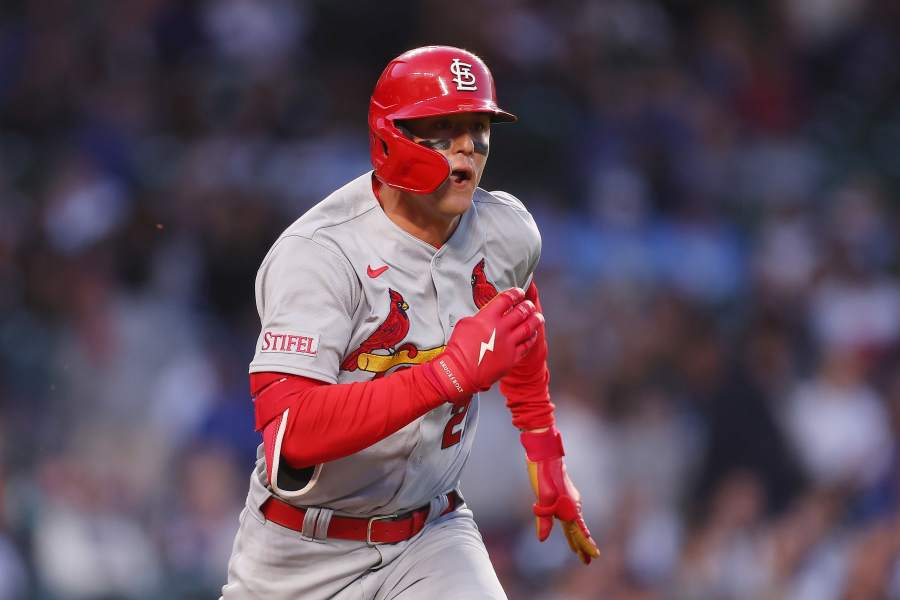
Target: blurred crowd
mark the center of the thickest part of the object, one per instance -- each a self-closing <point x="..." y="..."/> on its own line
<point x="717" y="187"/>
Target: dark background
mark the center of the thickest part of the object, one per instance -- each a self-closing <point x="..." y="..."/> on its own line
<point x="716" y="184"/>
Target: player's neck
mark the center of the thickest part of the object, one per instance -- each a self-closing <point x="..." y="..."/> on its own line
<point x="417" y="216"/>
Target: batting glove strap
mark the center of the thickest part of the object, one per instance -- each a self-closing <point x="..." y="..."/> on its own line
<point x="545" y="445"/>
<point x="447" y="373"/>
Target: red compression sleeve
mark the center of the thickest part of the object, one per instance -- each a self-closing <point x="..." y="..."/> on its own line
<point x="527" y="385"/>
<point x="331" y="421"/>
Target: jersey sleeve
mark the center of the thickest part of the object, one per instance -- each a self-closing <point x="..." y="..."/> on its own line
<point x="306" y="295"/>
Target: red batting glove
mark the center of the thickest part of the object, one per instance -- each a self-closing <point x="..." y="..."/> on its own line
<point x="485" y="346"/>
<point x="555" y="493"/>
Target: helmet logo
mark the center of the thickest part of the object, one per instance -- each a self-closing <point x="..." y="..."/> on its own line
<point x="465" y="79"/>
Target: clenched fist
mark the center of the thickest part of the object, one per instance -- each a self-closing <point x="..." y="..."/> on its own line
<point x="485" y="346"/>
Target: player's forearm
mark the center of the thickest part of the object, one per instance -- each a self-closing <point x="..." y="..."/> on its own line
<point x="528" y="400"/>
<point x="527" y="385"/>
<point x="328" y="422"/>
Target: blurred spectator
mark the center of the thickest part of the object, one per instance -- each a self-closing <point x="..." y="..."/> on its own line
<point x="12" y="571"/>
<point x="199" y="526"/>
<point x="13" y="582"/>
<point x="83" y="207"/>
<point x="838" y="424"/>
<point x="807" y="549"/>
<point x="875" y="562"/>
<point x="722" y="556"/>
<point x="744" y="432"/>
<point x="857" y="311"/>
<point x="85" y="546"/>
<point x="788" y="254"/>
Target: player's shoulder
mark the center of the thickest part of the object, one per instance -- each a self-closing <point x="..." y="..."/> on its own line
<point x="309" y="236"/>
<point x="341" y="207"/>
<point x="505" y="214"/>
<point x="498" y="200"/>
<point x="510" y="234"/>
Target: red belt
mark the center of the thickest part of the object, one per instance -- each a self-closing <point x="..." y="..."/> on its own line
<point x="387" y="529"/>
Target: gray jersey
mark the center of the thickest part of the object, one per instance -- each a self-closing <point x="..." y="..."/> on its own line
<point x="346" y="295"/>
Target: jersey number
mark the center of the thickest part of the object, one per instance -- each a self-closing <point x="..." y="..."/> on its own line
<point x="454" y="429"/>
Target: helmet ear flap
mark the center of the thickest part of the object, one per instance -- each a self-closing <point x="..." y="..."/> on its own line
<point x="378" y="146"/>
<point x="404" y="164"/>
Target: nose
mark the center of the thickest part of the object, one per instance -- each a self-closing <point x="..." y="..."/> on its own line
<point x="463" y="141"/>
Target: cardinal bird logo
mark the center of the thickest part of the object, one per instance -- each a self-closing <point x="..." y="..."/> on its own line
<point x="389" y="334"/>
<point x="482" y="289"/>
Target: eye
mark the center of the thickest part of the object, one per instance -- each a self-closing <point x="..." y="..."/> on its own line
<point x="442" y="125"/>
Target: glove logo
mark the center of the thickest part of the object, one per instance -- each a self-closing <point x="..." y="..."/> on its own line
<point x="465" y="79"/>
<point x="487" y="346"/>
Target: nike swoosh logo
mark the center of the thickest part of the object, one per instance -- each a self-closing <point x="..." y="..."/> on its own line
<point x="373" y="273"/>
<point x="487" y="346"/>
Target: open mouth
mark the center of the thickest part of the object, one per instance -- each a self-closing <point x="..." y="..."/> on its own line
<point x="461" y="175"/>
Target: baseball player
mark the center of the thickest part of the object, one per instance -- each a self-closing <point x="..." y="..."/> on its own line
<point x="381" y="322"/>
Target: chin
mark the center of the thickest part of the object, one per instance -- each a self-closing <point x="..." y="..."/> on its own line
<point x="454" y="202"/>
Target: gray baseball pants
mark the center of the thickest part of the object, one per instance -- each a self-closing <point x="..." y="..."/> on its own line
<point x="446" y="560"/>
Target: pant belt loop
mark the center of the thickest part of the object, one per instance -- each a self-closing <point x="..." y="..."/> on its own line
<point x="310" y="520"/>
<point x="437" y="506"/>
<point x="322" y="523"/>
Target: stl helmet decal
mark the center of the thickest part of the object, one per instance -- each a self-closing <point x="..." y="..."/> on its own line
<point x="465" y="78"/>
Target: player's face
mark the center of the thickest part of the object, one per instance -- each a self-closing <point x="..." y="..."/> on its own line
<point x="465" y="140"/>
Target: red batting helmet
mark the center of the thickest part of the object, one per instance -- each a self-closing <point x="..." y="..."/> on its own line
<point x="425" y="82"/>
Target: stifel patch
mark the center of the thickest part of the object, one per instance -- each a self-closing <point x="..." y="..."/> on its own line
<point x="306" y="344"/>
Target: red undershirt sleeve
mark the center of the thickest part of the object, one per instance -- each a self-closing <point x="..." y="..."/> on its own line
<point x="527" y="385"/>
<point x="330" y="421"/>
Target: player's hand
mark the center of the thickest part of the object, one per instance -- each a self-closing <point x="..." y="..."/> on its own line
<point x="485" y="346"/>
<point x="555" y="493"/>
